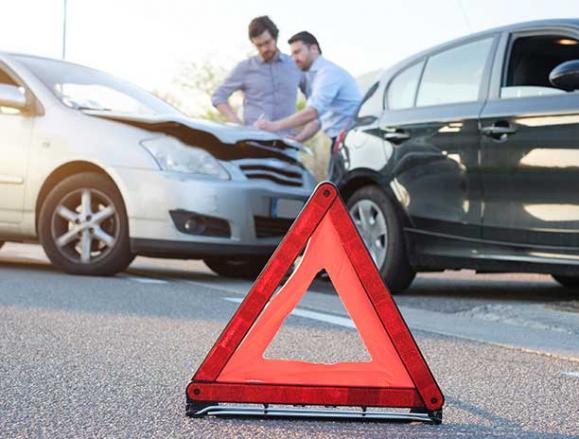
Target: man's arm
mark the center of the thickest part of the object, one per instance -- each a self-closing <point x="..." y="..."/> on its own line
<point x="308" y="131"/>
<point x="220" y="97"/>
<point x="225" y="109"/>
<point x="298" y="119"/>
<point x="324" y="89"/>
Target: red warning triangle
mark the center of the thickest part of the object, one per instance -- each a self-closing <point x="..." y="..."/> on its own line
<point x="397" y="375"/>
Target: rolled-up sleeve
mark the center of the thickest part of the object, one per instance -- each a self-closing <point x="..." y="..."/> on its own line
<point x="232" y="83"/>
<point x="325" y="87"/>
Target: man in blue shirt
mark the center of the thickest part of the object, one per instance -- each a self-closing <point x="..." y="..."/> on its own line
<point x="269" y="80"/>
<point x="333" y="94"/>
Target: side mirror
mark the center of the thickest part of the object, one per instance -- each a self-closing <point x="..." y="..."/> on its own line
<point x="566" y="75"/>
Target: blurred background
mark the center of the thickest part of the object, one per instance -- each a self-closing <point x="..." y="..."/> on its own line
<point x="182" y="49"/>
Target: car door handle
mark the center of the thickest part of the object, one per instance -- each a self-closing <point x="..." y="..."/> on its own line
<point x="396" y="136"/>
<point x="497" y="130"/>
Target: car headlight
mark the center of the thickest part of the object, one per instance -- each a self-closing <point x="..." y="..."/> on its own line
<point x="173" y="155"/>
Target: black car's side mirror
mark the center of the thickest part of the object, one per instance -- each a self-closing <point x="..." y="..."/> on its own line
<point x="566" y="75"/>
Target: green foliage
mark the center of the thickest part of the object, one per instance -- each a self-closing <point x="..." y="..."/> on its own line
<point x="204" y="78"/>
<point x="191" y="89"/>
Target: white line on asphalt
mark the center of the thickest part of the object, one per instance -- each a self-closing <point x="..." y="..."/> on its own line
<point x="348" y="323"/>
<point x="146" y="280"/>
<point x="327" y="318"/>
<point x="571" y="374"/>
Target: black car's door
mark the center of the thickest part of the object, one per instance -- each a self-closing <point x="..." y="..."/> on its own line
<point x="435" y="137"/>
<point x="530" y="145"/>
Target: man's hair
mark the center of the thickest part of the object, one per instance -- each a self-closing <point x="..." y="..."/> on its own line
<point x="261" y="24"/>
<point x="307" y="38"/>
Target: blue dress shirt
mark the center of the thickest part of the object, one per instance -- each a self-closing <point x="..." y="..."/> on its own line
<point x="333" y="93"/>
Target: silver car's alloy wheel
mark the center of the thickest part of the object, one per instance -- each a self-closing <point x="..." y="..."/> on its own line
<point x="85" y="226"/>
<point x="371" y="224"/>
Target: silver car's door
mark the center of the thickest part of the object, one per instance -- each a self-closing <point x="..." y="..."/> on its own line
<point x="15" y="137"/>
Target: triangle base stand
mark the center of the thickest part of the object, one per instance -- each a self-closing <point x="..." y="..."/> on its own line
<point x="197" y="409"/>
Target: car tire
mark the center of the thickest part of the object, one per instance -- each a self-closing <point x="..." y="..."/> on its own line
<point x="83" y="226"/>
<point x="241" y="268"/>
<point x="567" y="281"/>
<point x="381" y="229"/>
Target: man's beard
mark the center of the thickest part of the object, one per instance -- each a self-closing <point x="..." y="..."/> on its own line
<point x="305" y="67"/>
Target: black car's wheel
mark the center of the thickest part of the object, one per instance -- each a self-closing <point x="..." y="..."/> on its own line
<point x="567" y="281"/>
<point x="243" y="268"/>
<point x="83" y="226"/>
<point x="378" y="223"/>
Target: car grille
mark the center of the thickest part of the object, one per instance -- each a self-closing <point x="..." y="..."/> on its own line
<point x="267" y="227"/>
<point x="282" y="173"/>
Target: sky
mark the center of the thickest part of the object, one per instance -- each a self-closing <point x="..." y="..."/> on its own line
<point x="145" y="41"/>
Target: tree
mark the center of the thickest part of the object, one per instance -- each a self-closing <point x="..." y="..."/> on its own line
<point x="191" y="89"/>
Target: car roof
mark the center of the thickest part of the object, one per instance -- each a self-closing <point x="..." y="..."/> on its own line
<point x="566" y="22"/>
<point x="536" y="23"/>
<point x="45" y="58"/>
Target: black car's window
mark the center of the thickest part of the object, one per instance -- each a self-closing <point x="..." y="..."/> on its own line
<point x="454" y="75"/>
<point x="531" y="60"/>
<point x="370" y="107"/>
<point x="402" y="90"/>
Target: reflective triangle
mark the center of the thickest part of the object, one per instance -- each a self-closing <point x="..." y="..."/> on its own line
<point x="235" y="369"/>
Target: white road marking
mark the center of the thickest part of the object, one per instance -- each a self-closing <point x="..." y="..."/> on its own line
<point x="314" y="315"/>
<point x="220" y="286"/>
<point x="571" y="374"/>
<point x="416" y="321"/>
<point x="146" y="280"/>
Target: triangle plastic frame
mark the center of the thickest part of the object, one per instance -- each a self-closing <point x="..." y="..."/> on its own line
<point x="205" y="390"/>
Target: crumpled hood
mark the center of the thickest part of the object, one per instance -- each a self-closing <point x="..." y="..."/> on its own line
<point x="230" y="133"/>
<point x="225" y="133"/>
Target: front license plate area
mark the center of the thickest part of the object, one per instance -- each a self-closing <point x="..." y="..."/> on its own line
<point x="285" y="208"/>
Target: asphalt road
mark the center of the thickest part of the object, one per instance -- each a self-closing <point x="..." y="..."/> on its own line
<point x="111" y="357"/>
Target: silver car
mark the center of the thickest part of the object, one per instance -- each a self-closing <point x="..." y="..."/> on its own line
<point x="100" y="171"/>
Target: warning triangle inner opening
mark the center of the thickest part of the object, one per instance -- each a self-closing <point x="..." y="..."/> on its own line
<point x="310" y="335"/>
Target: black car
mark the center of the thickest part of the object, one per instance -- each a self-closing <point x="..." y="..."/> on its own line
<point x="467" y="156"/>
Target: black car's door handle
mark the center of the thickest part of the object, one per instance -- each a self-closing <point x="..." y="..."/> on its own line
<point x="498" y="130"/>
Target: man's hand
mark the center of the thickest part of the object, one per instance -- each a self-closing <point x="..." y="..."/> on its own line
<point x="300" y="118"/>
<point x="266" y="125"/>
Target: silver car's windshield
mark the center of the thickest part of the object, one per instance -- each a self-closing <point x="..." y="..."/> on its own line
<point x="85" y="88"/>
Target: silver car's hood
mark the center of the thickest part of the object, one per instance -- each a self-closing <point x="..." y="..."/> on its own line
<point x="225" y="142"/>
<point x="226" y="133"/>
<point x="230" y="133"/>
